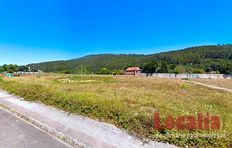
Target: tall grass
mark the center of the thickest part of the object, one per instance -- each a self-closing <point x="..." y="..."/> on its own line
<point x="129" y="102"/>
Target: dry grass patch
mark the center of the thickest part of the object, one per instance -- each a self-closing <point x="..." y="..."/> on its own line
<point x="225" y="83"/>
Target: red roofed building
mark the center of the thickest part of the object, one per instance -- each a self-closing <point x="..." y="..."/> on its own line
<point x="132" y="71"/>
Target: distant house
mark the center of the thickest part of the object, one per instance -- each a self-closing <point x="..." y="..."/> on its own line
<point x="132" y="71"/>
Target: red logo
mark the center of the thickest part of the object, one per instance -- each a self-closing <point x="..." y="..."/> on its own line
<point x="190" y="123"/>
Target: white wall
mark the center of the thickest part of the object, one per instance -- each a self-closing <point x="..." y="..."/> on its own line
<point x="190" y="76"/>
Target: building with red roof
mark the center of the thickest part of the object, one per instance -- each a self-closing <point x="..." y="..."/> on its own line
<point x="132" y="71"/>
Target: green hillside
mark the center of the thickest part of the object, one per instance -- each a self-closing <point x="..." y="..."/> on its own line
<point x="201" y="59"/>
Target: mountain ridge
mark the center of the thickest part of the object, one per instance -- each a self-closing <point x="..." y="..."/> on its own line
<point x="201" y="57"/>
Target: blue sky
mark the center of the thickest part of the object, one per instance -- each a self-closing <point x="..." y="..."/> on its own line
<point x="44" y="30"/>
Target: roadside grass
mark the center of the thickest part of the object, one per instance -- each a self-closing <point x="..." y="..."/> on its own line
<point x="129" y="103"/>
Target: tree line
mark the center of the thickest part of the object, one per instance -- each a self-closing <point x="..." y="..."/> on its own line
<point x="11" y="68"/>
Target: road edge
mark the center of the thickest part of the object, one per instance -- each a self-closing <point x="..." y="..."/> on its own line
<point x="52" y="132"/>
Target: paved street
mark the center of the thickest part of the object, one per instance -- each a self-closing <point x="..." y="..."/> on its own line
<point x="15" y="133"/>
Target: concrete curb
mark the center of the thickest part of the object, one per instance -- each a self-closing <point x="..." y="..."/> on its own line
<point x="59" y="135"/>
<point x="75" y="130"/>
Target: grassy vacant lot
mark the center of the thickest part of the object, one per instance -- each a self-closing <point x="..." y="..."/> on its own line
<point x="129" y="103"/>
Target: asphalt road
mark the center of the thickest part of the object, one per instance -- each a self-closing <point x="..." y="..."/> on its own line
<point x="16" y="133"/>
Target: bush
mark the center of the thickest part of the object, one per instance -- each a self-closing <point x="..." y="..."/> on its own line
<point x="104" y="71"/>
<point x="184" y="78"/>
<point x="183" y="86"/>
<point x="198" y="71"/>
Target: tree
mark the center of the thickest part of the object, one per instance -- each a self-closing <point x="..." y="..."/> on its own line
<point x="104" y="71"/>
<point x="208" y="69"/>
<point x="151" y="67"/>
<point x="163" y="67"/>
<point x="10" y="68"/>
<point x="198" y="71"/>
<point x="179" y="69"/>
<point x="173" y="66"/>
<point x="117" y="72"/>
<point x="225" y="68"/>
<point x="1" y="69"/>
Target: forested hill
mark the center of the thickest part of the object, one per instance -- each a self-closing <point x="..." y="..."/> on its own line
<point x="210" y="59"/>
